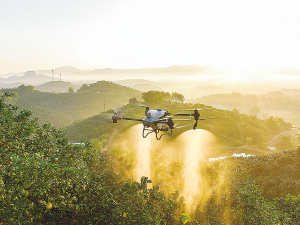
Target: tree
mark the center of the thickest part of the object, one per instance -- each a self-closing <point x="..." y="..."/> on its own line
<point x="25" y="88"/>
<point x="177" y="97"/>
<point x="38" y="166"/>
<point x="71" y="90"/>
<point x="133" y="101"/>
<point x="156" y="97"/>
<point x="254" y="208"/>
<point x="83" y="88"/>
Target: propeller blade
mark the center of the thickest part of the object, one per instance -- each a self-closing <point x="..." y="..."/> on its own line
<point x="180" y="114"/>
<point x="208" y="118"/>
<point x="183" y="119"/>
<point x="141" y="105"/>
<point x="196" y="109"/>
<point x="194" y="119"/>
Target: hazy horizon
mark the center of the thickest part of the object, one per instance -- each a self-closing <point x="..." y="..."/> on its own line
<point x="138" y="34"/>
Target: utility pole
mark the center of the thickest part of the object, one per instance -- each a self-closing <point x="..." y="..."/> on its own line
<point x="52" y="76"/>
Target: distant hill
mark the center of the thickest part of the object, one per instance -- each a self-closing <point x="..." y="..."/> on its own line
<point x="64" y="70"/>
<point x="107" y="87"/>
<point x="185" y="69"/>
<point x="277" y="103"/>
<point x="56" y="86"/>
<point x="142" y="85"/>
<point x="10" y="85"/>
<point x="125" y="71"/>
<point x="29" y="78"/>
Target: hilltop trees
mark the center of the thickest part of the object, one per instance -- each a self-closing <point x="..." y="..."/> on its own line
<point x="71" y="90"/>
<point x="157" y="97"/>
<point x="25" y="88"/>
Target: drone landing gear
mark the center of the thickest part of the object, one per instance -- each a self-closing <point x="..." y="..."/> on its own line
<point x="195" y="125"/>
<point x="158" y="138"/>
<point x="149" y="131"/>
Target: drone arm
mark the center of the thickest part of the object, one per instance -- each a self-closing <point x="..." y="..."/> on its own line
<point x="128" y="118"/>
<point x="115" y="118"/>
<point x="181" y="114"/>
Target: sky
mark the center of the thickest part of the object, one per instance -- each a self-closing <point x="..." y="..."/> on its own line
<point x="126" y="34"/>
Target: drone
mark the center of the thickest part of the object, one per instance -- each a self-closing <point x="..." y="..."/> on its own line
<point x="159" y="120"/>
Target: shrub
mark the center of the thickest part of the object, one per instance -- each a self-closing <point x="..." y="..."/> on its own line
<point x="38" y="166"/>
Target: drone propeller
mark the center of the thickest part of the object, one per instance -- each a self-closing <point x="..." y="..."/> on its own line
<point x="141" y="105"/>
<point x="183" y="119"/>
<point x="198" y="119"/>
<point x="195" y="109"/>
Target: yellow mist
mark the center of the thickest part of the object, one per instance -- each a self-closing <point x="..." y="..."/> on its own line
<point x="197" y="143"/>
<point x="142" y="147"/>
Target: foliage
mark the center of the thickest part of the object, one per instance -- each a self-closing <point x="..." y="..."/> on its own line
<point x="71" y="90"/>
<point x="24" y="88"/>
<point x="254" y="209"/>
<point x="38" y="166"/>
<point x="45" y="179"/>
<point x="289" y="206"/>
<point x="156" y="97"/>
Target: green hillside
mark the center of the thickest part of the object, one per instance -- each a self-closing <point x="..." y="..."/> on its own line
<point x="46" y="115"/>
<point x="56" y="86"/>
<point x="88" y="101"/>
